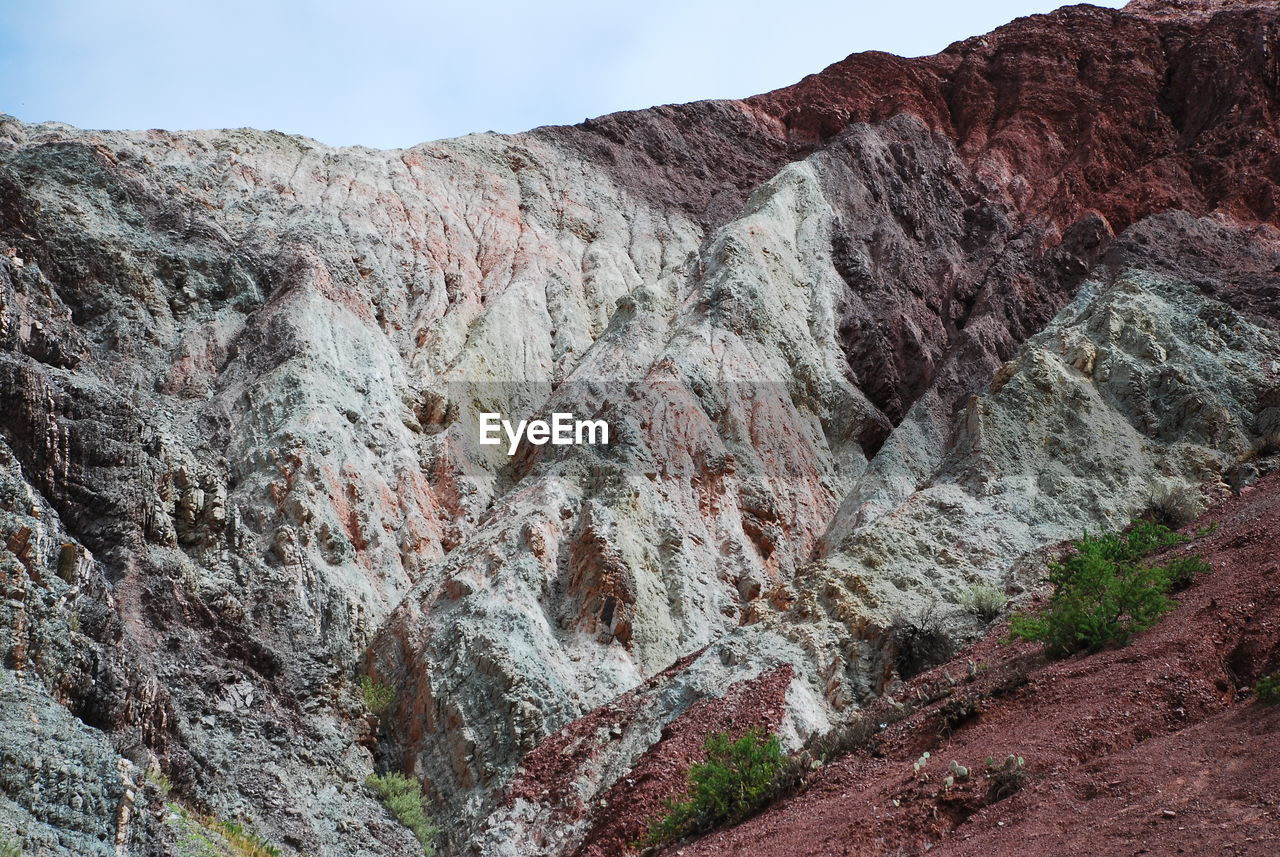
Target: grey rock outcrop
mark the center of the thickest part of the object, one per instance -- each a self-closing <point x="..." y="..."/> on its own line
<point x="863" y="343"/>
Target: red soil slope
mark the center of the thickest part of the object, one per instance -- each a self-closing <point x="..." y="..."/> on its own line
<point x="1154" y="748"/>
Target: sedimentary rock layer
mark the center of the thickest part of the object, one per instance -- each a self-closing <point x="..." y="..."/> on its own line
<point x="864" y="342"/>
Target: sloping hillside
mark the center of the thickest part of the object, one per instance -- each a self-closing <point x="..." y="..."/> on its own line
<point x="1159" y="747"/>
<point x="864" y="343"/>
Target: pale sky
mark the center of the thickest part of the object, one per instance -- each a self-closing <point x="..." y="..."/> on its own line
<point x="391" y="73"/>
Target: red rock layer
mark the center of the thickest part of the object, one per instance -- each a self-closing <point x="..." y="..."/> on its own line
<point x="1129" y="112"/>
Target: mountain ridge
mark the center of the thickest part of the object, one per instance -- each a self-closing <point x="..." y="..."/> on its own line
<point x="870" y="339"/>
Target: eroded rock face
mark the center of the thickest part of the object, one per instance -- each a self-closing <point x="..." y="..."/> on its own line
<point x="1141" y="394"/>
<point x="862" y="342"/>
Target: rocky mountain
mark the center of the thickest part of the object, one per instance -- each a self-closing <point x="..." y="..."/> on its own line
<point x="862" y="343"/>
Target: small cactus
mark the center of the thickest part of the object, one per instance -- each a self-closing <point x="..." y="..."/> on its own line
<point x="921" y="762"/>
<point x="1006" y="779"/>
<point x="959" y="771"/>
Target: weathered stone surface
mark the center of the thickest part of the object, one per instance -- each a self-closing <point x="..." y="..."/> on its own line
<point x="1140" y="394"/>
<point x="63" y="787"/>
<point x="864" y="342"/>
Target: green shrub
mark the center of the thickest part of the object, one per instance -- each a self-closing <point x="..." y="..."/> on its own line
<point x="160" y="780"/>
<point x="1183" y="571"/>
<point x="210" y="836"/>
<point x="245" y="842"/>
<point x="9" y="848"/>
<point x="984" y="602"/>
<point x="378" y="697"/>
<point x="1141" y="539"/>
<point x="1104" y="594"/>
<point x="736" y="780"/>
<point x="1268" y="689"/>
<point x="402" y="796"/>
